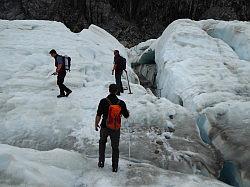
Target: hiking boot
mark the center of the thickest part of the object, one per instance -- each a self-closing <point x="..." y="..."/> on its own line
<point x="114" y="170"/>
<point x="100" y="164"/>
<point x="69" y="92"/>
<point x="59" y="96"/>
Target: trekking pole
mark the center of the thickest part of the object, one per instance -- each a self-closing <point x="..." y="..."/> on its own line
<point x="129" y="144"/>
<point x="128" y="83"/>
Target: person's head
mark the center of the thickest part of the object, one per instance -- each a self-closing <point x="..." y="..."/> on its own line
<point x="116" y="52"/>
<point x="53" y="52"/>
<point x="113" y="89"/>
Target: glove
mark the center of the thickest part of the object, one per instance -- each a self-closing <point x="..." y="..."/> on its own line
<point x="96" y="127"/>
<point x="55" y="73"/>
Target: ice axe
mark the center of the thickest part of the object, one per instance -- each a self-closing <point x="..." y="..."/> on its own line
<point x="49" y="75"/>
<point x="55" y="73"/>
<point x="128" y="83"/>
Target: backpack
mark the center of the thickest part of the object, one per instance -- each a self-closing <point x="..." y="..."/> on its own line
<point x="114" y="116"/>
<point x="67" y="63"/>
<point x="123" y="63"/>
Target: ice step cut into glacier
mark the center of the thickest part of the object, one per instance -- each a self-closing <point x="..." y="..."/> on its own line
<point x="47" y="141"/>
<point x="205" y="67"/>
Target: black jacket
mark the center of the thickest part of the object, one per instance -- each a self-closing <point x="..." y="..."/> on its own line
<point x="103" y="108"/>
<point x="118" y="63"/>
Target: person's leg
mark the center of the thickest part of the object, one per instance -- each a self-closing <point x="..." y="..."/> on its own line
<point x="65" y="89"/>
<point x="115" y="138"/>
<point x="102" y="146"/>
<point x="60" y="80"/>
<point x="119" y="82"/>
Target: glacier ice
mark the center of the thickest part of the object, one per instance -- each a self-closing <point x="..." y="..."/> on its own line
<point x="31" y="116"/>
<point x="205" y="67"/>
<point x="60" y="168"/>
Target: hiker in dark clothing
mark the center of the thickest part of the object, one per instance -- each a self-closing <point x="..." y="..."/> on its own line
<point x="61" y="73"/>
<point x="118" y="69"/>
<point x="103" y="111"/>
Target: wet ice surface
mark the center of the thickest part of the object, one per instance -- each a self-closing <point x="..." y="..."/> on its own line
<point x="32" y="117"/>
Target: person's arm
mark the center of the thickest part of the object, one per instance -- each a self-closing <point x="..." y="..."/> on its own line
<point x="97" y="121"/>
<point x="98" y="115"/>
<point x="114" y="67"/>
<point x="115" y="64"/>
<point x="125" y="111"/>
<point x="58" y="69"/>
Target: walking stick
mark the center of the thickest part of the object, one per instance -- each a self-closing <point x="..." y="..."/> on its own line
<point x="129" y="151"/>
<point x="128" y="83"/>
<point x="129" y="143"/>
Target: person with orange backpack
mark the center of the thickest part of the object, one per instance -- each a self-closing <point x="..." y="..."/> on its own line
<point x="111" y="109"/>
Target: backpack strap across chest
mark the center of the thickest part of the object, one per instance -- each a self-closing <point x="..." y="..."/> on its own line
<point x="110" y="103"/>
<point x="56" y="61"/>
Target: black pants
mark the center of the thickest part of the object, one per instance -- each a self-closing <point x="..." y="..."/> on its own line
<point x="62" y="87"/>
<point x="118" y="80"/>
<point x="115" y="138"/>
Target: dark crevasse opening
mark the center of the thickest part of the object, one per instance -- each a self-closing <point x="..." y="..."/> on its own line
<point x="148" y="57"/>
<point x="146" y="70"/>
<point x="230" y="172"/>
<point x="201" y="123"/>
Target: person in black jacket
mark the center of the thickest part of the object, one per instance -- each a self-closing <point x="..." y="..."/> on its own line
<point x="102" y="111"/>
<point x="61" y="73"/>
<point x="118" y="69"/>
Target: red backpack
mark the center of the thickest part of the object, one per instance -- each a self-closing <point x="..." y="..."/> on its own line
<point x="114" y="116"/>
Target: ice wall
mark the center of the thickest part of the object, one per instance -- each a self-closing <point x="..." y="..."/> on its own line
<point x="202" y="64"/>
